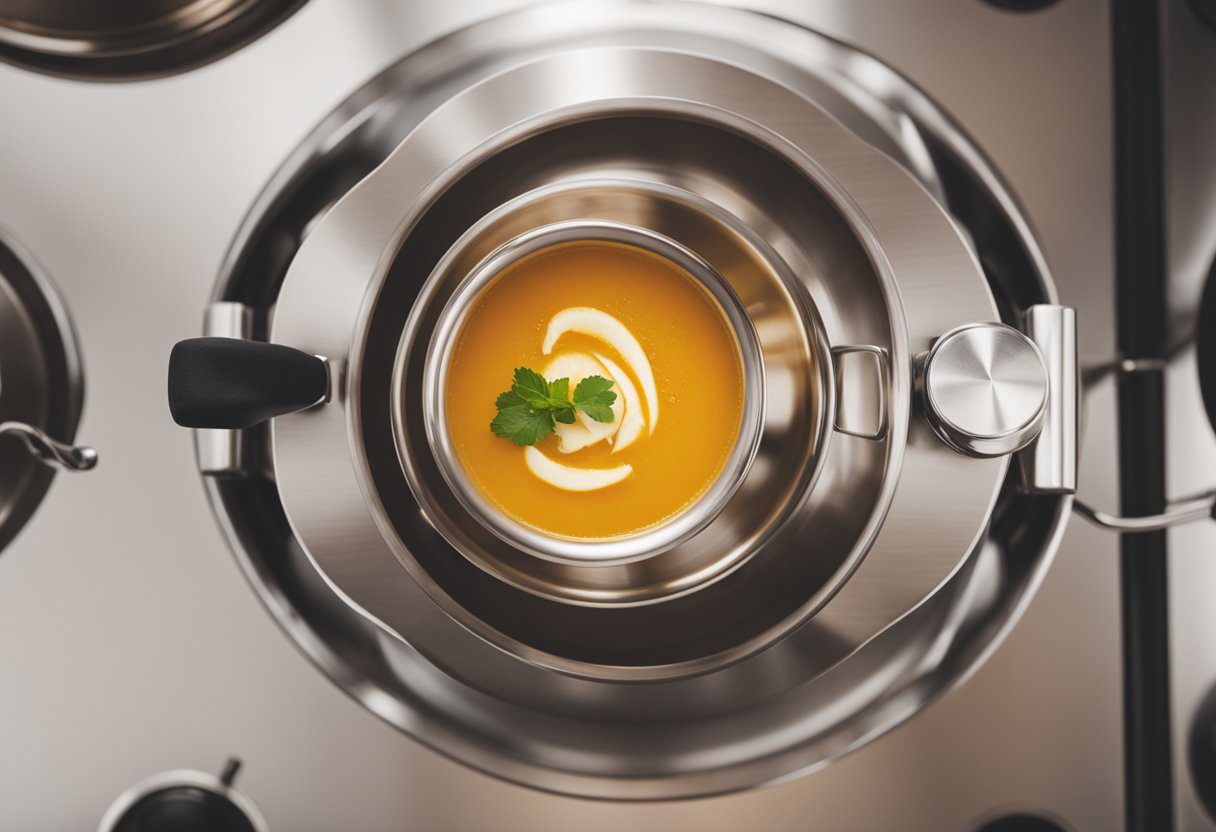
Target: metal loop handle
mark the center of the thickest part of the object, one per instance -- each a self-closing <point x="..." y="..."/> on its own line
<point x="1200" y="507"/>
<point x="882" y="373"/>
<point x="49" y="451"/>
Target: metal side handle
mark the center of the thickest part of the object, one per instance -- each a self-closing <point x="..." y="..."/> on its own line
<point x="1200" y="507"/>
<point x="862" y="378"/>
<point x="222" y="452"/>
<point x="50" y="451"/>
<point x="1188" y="510"/>
<point x="1049" y="463"/>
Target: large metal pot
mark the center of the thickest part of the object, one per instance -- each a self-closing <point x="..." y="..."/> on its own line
<point x="845" y="582"/>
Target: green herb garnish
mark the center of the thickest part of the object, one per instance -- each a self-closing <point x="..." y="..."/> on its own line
<point x="529" y="410"/>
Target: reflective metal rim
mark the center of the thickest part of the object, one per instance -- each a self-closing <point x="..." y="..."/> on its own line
<point x="798" y="415"/>
<point x="180" y="778"/>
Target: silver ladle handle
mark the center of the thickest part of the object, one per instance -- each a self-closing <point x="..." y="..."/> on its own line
<point x="49" y="451"/>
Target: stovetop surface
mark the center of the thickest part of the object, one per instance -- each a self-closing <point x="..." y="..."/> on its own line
<point x="128" y="639"/>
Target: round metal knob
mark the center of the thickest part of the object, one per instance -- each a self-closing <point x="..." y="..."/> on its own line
<point x="985" y="389"/>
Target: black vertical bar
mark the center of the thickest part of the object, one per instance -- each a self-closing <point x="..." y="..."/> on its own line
<point x="1140" y="264"/>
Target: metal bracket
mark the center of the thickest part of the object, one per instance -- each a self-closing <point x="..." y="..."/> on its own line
<point x="1195" y="508"/>
<point x="874" y="400"/>
<point x="1049" y="463"/>
<point x="1199" y="507"/>
<point x="222" y="452"/>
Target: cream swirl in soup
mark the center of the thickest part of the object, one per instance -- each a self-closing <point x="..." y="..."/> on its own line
<point x="631" y="418"/>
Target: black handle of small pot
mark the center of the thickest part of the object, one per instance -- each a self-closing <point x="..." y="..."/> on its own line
<point x="233" y="383"/>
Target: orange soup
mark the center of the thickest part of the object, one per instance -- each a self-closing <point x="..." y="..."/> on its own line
<point x="583" y="309"/>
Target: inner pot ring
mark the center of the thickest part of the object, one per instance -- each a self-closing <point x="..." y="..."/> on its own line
<point x="616" y="550"/>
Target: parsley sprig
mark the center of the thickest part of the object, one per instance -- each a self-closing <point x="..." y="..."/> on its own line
<point x="528" y="412"/>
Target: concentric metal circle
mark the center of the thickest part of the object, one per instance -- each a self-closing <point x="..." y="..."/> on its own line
<point x="766" y="298"/>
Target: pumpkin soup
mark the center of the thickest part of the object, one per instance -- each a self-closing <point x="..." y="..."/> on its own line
<point x="618" y="386"/>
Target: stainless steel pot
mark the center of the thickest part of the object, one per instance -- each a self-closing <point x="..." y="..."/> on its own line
<point x="432" y="353"/>
<point x="670" y="560"/>
<point x="843" y="587"/>
<point x="41" y="389"/>
<point x="185" y="799"/>
<point x="131" y="39"/>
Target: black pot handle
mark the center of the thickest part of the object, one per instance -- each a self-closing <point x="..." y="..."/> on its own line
<point x="233" y="383"/>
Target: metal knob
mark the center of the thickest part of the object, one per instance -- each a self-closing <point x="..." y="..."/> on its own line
<point x="985" y="389"/>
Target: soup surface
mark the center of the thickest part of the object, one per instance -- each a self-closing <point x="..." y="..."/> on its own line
<point x="583" y="309"/>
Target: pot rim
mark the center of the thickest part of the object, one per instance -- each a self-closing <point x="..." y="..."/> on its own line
<point x="628" y="548"/>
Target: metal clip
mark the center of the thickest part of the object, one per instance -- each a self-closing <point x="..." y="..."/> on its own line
<point x="222" y="452"/>
<point x="1049" y="463"/>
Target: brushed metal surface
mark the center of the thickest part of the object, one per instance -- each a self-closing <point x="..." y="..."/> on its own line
<point x="1037" y="727"/>
<point x="1050" y="463"/>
